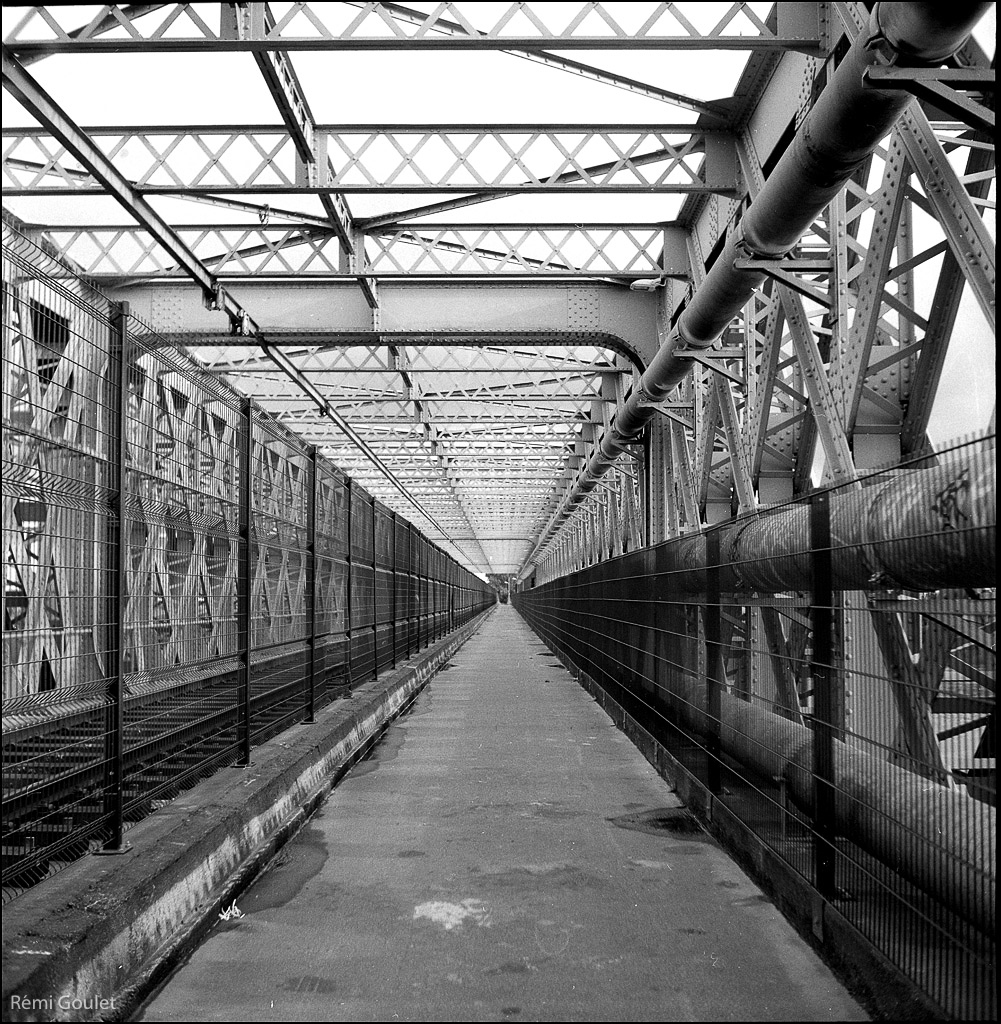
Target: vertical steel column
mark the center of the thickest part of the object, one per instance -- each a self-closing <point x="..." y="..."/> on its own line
<point x="347" y="588"/>
<point x="246" y="580"/>
<point x="375" y="597"/>
<point x="824" y="697"/>
<point x="646" y="493"/>
<point x="712" y="621"/>
<point x="114" y="760"/>
<point x="413" y="597"/>
<point x="392" y="617"/>
<point x="311" y="585"/>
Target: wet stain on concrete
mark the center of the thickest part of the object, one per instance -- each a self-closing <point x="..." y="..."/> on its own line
<point x="750" y="901"/>
<point x="309" y="984"/>
<point x="512" y="967"/>
<point x="553" y="811"/>
<point x="387" y="749"/>
<point x="298" y="862"/>
<point x="422" y="706"/>
<point x="503" y="808"/>
<point x="551" y="938"/>
<point x="672" y="821"/>
<point x="518" y="874"/>
<point x="411" y="853"/>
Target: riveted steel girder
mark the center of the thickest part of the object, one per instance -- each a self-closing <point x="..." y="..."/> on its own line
<point x="620" y="251"/>
<point x="488" y="313"/>
<point x="525" y="26"/>
<point x="185" y="159"/>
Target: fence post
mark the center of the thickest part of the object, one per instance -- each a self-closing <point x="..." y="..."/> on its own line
<point x="647" y="490"/>
<point x="714" y="657"/>
<point x="246" y="580"/>
<point x="311" y="586"/>
<point x="824" y="696"/>
<point x="349" y="561"/>
<point x="114" y="752"/>
<point x="375" y="598"/>
<point x="411" y="588"/>
<point x="392" y="596"/>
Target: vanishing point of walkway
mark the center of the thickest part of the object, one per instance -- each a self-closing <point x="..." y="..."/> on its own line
<point x="489" y="862"/>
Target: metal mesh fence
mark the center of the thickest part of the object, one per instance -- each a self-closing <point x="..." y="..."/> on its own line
<point x="184" y="577"/>
<point x="826" y="670"/>
<point x="58" y="489"/>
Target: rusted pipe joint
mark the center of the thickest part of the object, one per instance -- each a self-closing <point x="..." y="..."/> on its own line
<point x="892" y="27"/>
<point x="746" y="247"/>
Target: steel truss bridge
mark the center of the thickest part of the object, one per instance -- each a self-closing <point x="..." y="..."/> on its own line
<point x="611" y="365"/>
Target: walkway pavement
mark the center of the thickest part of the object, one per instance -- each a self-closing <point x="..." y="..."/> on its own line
<point x="505" y="854"/>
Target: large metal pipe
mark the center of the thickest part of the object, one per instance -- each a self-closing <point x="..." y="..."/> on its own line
<point x="840" y="132"/>
<point x="919" y="529"/>
<point x="880" y="805"/>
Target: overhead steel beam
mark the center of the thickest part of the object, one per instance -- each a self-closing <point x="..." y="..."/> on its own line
<point x="637" y="158"/>
<point x="600" y="250"/>
<point x="420" y="358"/>
<point x="372" y="224"/>
<point x="283" y="84"/>
<point x="606" y="249"/>
<point x="524" y="26"/>
<point x="489" y="313"/>
<point x="381" y="420"/>
<point x="116" y="17"/>
<point x="264" y="213"/>
<point x="841" y="131"/>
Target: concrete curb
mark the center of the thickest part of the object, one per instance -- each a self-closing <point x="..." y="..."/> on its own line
<point x="92" y="941"/>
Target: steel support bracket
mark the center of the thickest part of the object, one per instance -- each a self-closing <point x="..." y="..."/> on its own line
<point x="673" y="411"/>
<point x="713" y="360"/>
<point x="241" y="325"/>
<point x="787" y="271"/>
<point x="215" y="299"/>
<point x="945" y="88"/>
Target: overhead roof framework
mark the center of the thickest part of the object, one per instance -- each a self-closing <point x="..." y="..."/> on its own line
<point x="453" y="305"/>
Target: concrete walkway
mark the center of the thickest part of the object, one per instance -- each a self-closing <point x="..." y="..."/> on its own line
<point x="506" y="854"/>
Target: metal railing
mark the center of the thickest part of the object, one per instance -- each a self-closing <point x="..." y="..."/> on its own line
<point x="184" y="577"/>
<point x="826" y="671"/>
